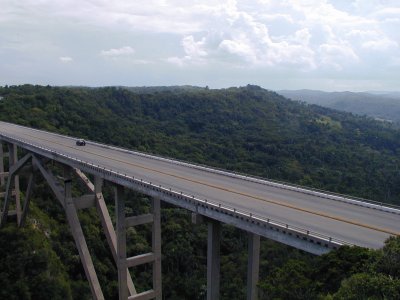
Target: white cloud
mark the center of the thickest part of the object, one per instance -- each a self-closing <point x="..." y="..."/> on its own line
<point x="255" y="35"/>
<point x="176" y="61"/>
<point x="66" y="59"/>
<point x="380" y="45"/>
<point x="193" y="48"/>
<point x="239" y="47"/>
<point x="337" y="55"/>
<point x="195" y="52"/>
<point x="116" y="52"/>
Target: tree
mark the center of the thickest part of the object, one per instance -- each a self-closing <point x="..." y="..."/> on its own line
<point x="389" y="261"/>
<point x="292" y="281"/>
<point x="369" y="286"/>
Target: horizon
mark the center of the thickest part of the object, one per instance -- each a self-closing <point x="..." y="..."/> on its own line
<point x="372" y="92"/>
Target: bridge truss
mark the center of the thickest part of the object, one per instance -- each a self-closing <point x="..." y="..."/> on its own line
<point x="32" y="165"/>
<point x="39" y="161"/>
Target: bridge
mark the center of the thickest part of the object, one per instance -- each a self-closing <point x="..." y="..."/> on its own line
<point x="311" y="220"/>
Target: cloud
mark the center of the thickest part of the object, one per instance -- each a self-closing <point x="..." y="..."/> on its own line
<point x="118" y="52"/>
<point x="353" y="37"/>
<point x="66" y="59"/>
<point x="337" y="55"/>
<point x="195" y="52"/>
<point x="380" y="45"/>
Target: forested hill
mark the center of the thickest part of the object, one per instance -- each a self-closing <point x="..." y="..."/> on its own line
<point x="247" y="129"/>
<point x="382" y="106"/>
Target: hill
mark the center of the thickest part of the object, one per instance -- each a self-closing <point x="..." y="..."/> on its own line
<point x="245" y="129"/>
<point x="379" y="105"/>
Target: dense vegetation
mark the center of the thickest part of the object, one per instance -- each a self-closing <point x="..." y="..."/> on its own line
<point x="244" y="129"/>
<point x="384" y="107"/>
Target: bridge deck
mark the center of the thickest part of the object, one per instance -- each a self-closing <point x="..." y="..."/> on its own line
<point x="355" y="224"/>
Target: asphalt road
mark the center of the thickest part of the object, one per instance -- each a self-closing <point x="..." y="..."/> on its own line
<point x="355" y="224"/>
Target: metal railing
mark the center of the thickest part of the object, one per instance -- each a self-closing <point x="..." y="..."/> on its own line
<point x="221" y="208"/>
<point x="253" y="178"/>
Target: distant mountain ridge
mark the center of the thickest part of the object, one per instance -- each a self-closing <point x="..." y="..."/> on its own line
<point x="379" y="105"/>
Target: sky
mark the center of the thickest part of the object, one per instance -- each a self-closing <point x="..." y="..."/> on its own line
<point x="331" y="45"/>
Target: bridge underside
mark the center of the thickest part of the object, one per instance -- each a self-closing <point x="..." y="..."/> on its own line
<point x="32" y="165"/>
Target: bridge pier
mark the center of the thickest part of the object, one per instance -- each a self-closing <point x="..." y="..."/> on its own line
<point x="213" y="259"/>
<point x="106" y="222"/>
<point x="12" y="187"/>
<point x="13" y="159"/>
<point x="2" y="174"/>
<point x="122" y="265"/>
<point x="154" y="257"/>
<point x="253" y="266"/>
<point x="77" y="233"/>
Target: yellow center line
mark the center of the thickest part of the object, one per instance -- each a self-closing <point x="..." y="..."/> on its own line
<point x="275" y="202"/>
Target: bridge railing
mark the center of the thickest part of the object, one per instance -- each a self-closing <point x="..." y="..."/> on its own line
<point x="254" y="178"/>
<point x="266" y="181"/>
<point x="219" y="207"/>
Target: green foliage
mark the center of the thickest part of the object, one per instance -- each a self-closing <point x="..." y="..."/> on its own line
<point x="389" y="261"/>
<point x="369" y="286"/>
<point x="246" y="129"/>
<point x="29" y="267"/>
<point x="330" y="269"/>
<point x="291" y="281"/>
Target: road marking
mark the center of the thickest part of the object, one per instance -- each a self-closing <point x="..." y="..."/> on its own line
<point x="318" y="213"/>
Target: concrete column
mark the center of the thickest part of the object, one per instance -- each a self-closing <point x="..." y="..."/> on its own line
<point x="156" y="242"/>
<point x="28" y="193"/>
<point x="2" y="179"/>
<point x="77" y="233"/>
<point x="121" y="243"/>
<point x="13" y="159"/>
<point x="253" y="266"/>
<point x="213" y="260"/>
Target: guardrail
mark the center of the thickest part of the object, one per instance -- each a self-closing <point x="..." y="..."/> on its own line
<point x="270" y="182"/>
<point x="387" y="207"/>
<point x="301" y="233"/>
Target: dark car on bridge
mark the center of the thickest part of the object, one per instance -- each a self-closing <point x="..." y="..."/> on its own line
<point x="80" y="142"/>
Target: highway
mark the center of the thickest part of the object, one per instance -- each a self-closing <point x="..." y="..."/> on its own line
<point x="355" y="224"/>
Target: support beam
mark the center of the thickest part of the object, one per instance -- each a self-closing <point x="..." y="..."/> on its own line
<point x="6" y="205"/>
<point x="79" y="238"/>
<point x="2" y="194"/>
<point x="253" y="266"/>
<point x="51" y="180"/>
<point x="213" y="260"/>
<point x="14" y="166"/>
<point x="105" y="219"/>
<point x="139" y="220"/>
<point x="2" y="174"/>
<point x="156" y="241"/>
<point x="84" y="201"/>
<point x="31" y="183"/>
<point x="147" y="295"/>
<point x="140" y="259"/>
<point x="121" y="243"/>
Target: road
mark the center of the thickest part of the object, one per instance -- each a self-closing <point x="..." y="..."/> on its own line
<point x="355" y="224"/>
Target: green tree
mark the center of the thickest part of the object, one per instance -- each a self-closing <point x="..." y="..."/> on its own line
<point x="369" y="286"/>
<point x="389" y="261"/>
<point x="29" y="267"/>
<point x="291" y="281"/>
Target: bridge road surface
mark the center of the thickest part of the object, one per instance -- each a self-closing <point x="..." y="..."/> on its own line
<point x="358" y="225"/>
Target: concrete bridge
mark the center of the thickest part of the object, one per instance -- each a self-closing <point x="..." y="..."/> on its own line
<point x="311" y="220"/>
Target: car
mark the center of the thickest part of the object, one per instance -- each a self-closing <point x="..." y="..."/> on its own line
<point x="80" y="142"/>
